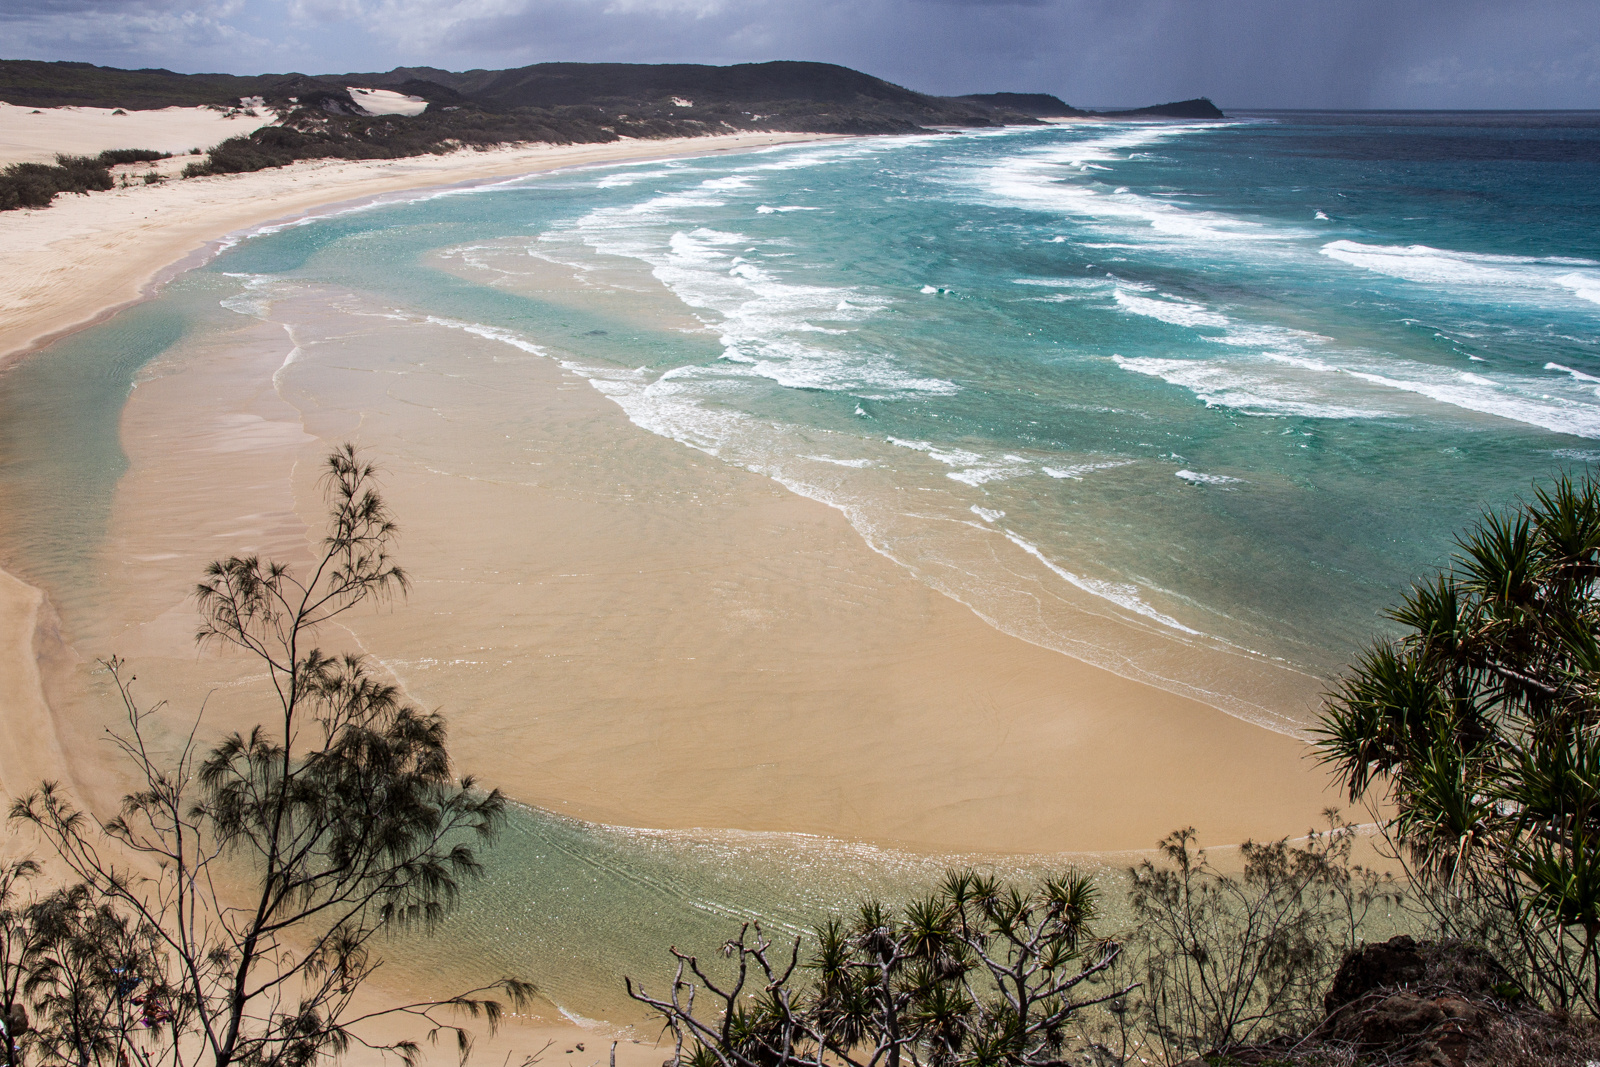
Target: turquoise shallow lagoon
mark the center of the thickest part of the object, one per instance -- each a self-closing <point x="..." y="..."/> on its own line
<point x="1217" y="390"/>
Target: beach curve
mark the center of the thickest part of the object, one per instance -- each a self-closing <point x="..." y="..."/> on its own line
<point x="1097" y="728"/>
<point x="80" y="261"/>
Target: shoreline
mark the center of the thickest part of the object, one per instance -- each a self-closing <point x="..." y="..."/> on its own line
<point x="67" y="268"/>
<point x="622" y="709"/>
<point x="50" y="287"/>
<point x="1078" y="711"/>
<point x="766" y="628"/>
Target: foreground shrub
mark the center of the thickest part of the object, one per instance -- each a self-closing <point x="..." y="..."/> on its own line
<point x="337" y="823"/>
<point x="1479" y="729"/>
<point x="1235" y="960"/>
<point x="113" y="157"/>
<point x="978" y="973"/>
<point x="35" y="185"/>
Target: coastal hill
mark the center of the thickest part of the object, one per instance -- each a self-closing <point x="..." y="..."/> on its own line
<point x="1043" y="105"/>
<point x="413" y="111"/>
<point x="1039" y="104"/>
<point x="1198" y="108"/>
<point x="786" y="95"/>
<point x="681" y="98"/>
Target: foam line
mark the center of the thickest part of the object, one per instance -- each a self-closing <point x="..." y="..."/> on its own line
<point x="1123" y="595"/>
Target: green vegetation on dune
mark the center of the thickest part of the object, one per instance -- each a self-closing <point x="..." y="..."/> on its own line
<point x="790" y="96"/>
<point x="1480" y="726"/>
<point x="36" y="184"/>
<point x="558" y="103"/>
<point x="31" y="83"/>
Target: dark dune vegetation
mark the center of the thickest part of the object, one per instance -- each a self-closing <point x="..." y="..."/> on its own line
<point x="36" y="184"/>
<point x="559" y="103"/>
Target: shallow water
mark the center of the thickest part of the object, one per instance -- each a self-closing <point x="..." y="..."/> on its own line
<point x="1223" y="388"/>
<point x="1230" y="384"/>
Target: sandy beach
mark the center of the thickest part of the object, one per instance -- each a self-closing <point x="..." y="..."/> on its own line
<point x="693" y="646"/>
<point x="38" y="135"/>
<point x="83" y="257"/>
<point x="976" y="740"/>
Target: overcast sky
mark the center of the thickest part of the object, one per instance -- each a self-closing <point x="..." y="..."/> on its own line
<point x="1241" y="53"/>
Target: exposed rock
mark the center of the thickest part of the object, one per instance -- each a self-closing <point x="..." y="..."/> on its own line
<point x="1395" y="962"/>
<point x="1431" y="1004"/>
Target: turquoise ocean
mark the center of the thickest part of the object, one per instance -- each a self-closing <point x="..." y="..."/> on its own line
<point x="1228" y="386"/>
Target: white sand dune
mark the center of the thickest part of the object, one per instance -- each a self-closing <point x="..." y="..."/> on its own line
<point x="387" y="102"/>
<point x="36" y="135"/>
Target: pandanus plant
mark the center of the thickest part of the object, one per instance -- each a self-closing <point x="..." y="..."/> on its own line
<point x="1476" y="733"/>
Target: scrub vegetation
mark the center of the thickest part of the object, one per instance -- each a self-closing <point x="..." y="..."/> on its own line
<point x="1470" y="737"/>
<point x="1473" y="739"/>
<point x="552" y="103"/>
<point x="36" y="184"/>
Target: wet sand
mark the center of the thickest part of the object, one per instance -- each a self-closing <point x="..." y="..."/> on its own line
<point x="80" y="260"/>
<point x="616" y="627"/>
<point x="626" y="631"/>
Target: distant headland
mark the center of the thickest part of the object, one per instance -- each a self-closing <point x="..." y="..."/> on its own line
<point x="1043" y="105"/>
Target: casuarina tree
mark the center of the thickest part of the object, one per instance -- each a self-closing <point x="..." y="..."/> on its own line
<point x="332" y="822"/>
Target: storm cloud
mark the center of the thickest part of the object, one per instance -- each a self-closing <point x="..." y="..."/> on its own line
<point x="1242" y="53"/>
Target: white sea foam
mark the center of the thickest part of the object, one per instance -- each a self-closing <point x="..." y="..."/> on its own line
<point x="1123" y="594"/>
<point x="760" y="313"/>
<point x="256" y="294"/>
<point x="491" y="333"/>
<point x="1076" y="471"/>
<point x="1065" y="283"/>
<point x="1267" y="379"/>
<point x="621" y="179"/>
<point x="1577" y="375"/>
<point x="976" y="476"/>
<point x="1042" y="179"/>
<point x="1529" y="278"/>
<point x="289" y="360"/>
<point x="856" y="463"/>
<point x="1197" y="478"/>
<point x="1171" y="309"/>
<point x="975" y="467"/>
<point x="988" y="514"/>
<point x="1522" y="400"/>
<point x="1254" y="389"/>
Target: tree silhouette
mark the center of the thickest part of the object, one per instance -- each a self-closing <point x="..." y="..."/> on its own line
<point x="1476" y="733"/>
<point x="342" y="818"/>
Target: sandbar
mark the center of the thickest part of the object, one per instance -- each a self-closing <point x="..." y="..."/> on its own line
<point x="695" y="646"/>
<point x="689" y="646"/>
